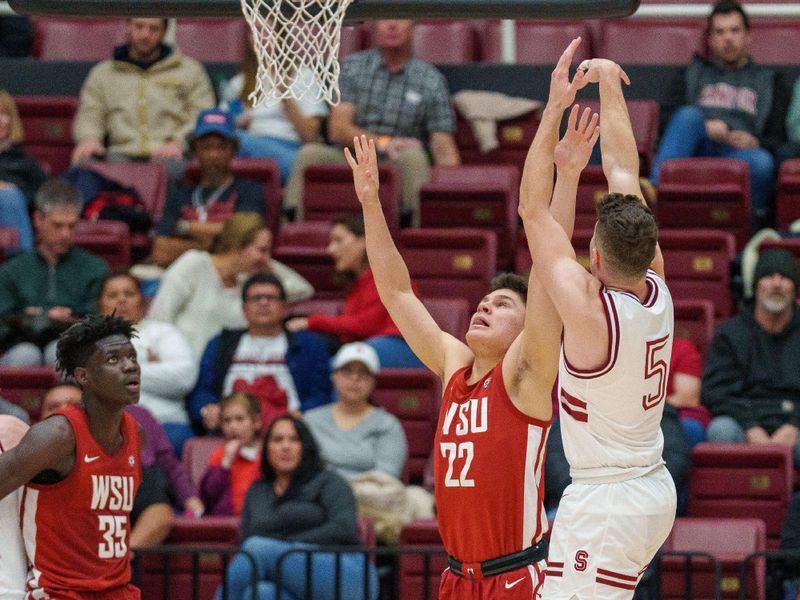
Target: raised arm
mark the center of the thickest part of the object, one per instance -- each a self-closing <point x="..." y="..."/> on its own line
<point x="617" y="144"/>
<point x="438" y="350"/>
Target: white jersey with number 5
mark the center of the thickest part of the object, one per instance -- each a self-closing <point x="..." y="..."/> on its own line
<point x="611" y="416"/>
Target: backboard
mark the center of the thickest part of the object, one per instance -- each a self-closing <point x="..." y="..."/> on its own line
<point x="359" y="10"/>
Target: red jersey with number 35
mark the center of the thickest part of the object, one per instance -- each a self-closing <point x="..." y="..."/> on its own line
<point x="611" y="416"/>
<point x="488" y="463"/>
<point x="77" y="531"/>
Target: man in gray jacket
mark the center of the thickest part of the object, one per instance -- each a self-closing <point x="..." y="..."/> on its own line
<point x="730" y="107"/>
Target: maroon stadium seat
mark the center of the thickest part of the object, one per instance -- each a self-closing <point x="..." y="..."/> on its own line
<point x="412" y="395"/>
<point x="694" y="320"/>
<point x="206" y="531"/>
<point x="742" y="480"/>
<point x="110" y="240"/>
<point x="211" y="40"/>
<point x="262" y="170"/>
<point x="514" y="136"/>
<point x="711" y="193"/>
<point x="538" y="42"/>
<point x="769" y="39"/>
<point x="302" y="246"/>
<point x="150" y="180"/>
<point x="450" y="263"/>
<point x="47" y="121"/>
<point x="354" y="39"/>
<point x="580" y="243"/>
<point x="787" y="201"/>
<point x="25" y="386"/>
<point x="697" y="265"/>
<point x="331" y="306"/>
<point x="451" y="314"/>
<point x="329" y="193"/>
<point x="421" y="533"/>
<point x="592" y="186"/>
<point x="727" y="540"/>
<point x="195" y="453"/>
<point x="630" y="41"/>
<point x="483" y="196"/>
<point x="446" y="42"/>
<point x="73" y="39"/>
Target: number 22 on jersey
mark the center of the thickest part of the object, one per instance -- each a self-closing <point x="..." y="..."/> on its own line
<point x="470" y="417"/>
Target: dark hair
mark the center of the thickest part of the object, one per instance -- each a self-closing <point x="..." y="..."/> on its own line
<point x="77" y="343"/>
<point x="354" y="223"/>
<point x="726" y="7"/>
<point x="510" y="281"/>
<point x="263" y="278"/>
<point x="311" y="463"/>
<point x="626" y="234"/>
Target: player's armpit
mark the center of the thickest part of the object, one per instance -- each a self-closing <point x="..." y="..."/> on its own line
<point x="48" y="446"/>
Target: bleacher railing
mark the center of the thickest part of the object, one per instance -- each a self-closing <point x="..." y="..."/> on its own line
<point x="790" y="559"/>
<point x="690" y="560"/>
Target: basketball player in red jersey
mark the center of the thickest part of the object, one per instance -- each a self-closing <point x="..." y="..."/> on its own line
<point x="618" y="325"/>
<point x="80" y="468"/>
<point x="496" y="409"/>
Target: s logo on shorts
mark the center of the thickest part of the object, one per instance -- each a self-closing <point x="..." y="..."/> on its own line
<point x="580" y="560"/>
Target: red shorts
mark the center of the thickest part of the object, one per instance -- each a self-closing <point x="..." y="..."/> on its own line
<point x="524" y="583"/>
<point x="123" y="592"/>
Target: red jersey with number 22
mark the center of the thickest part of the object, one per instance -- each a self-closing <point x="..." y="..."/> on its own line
<point x="488" y="463"/>
<point x="77" y="531"/>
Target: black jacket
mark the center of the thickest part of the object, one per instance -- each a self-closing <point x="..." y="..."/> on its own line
<point x="20" y="169"/>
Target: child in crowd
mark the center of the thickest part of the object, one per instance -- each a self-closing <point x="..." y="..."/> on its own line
<point x="234" y="466"/>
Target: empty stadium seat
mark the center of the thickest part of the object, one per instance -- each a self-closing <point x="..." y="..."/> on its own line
<point x="412" y="395"/>
<point x="742" y="480"/>
<point x="449" y="263"/>
<point x="769" y="39"/>
<point x="630" y="41"/>
<point x="446" y="42"/>
<point x="729" y="541"/>
<point x="412" y="576"/>
<point x="484" y="197"/>
<point x="451" y="314"/>
<point x="25" y="386"/>
<point x="262" y="170"/>
<point x="514" y="136"/>
<point x="303" y="247"/>
<point x="329" y="193"/>
<point x="195" y="453"/>
<point x="47" y="121"/>
<point x="110" y="240"/>
<point x="538" y="42"/>
<point x="206" y="531"/>
<point x="211" y="40"/>
<point x="694" y="320"/>
<point x="697" y="265"/>
<point x="592" y="186"/>
<point x="72" y="39"/>
<point x="150" y="180"/>
<point x="711" y="193"/>
<point x="787" y="200"/>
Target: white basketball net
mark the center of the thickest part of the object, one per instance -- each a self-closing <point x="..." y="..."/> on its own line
<point x="297" y="45"/>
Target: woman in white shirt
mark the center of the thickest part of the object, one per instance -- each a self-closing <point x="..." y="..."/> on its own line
<point x="200" y="293"/>
<point x="272" y="131"/>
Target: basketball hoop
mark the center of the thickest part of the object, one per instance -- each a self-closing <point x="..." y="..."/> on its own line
<point x="297" y="46"/>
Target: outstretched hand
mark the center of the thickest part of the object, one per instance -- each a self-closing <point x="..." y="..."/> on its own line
<point x="593" y="69"/>
<point x="365" y="169"/>
<point x="562" y="90"/>
<point x="572" y="153"/>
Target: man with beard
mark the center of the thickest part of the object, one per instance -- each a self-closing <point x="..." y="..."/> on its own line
<point x="751" y="381"/>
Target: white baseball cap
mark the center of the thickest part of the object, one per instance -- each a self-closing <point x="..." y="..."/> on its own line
<point x="357" y="352"/>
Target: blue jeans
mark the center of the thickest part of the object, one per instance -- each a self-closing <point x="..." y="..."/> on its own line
<point x="726" y="429"/>
<point x="261" y="146"/>
<point x="14" y="213"/>
<point x="178" y="433"/>
<point x="394" y="352"/>
<point x="694" y="430"/>
<point x="685" y="137"/>
<point x="266" y="552"/>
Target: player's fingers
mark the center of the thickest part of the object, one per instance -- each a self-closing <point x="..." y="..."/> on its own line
<point x="624" y="76"/>
<point x="573" y="117"/>
<point x="589" y="130"/>
<point x="584" y="119"/>
<point x="595" y="135"/>
<point x="566" y="57"/>
<point x="357" y="148"/>
<point x="349" y="157"/>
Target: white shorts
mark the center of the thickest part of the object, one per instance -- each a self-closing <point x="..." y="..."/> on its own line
<point x="605" y="535"/>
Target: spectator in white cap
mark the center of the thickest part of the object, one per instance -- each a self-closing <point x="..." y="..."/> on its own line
<point x="353" y="434"/>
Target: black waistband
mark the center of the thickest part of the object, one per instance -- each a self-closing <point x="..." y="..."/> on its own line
<point x="505" y="563"/>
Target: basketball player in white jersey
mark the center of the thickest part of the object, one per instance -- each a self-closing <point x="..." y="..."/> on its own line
<point x="618" y="324"/>
<point x="13" y="560"/>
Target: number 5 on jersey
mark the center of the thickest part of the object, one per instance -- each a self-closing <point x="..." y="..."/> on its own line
<point x="655" y="367"/>
<point x="456" y="452"/>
